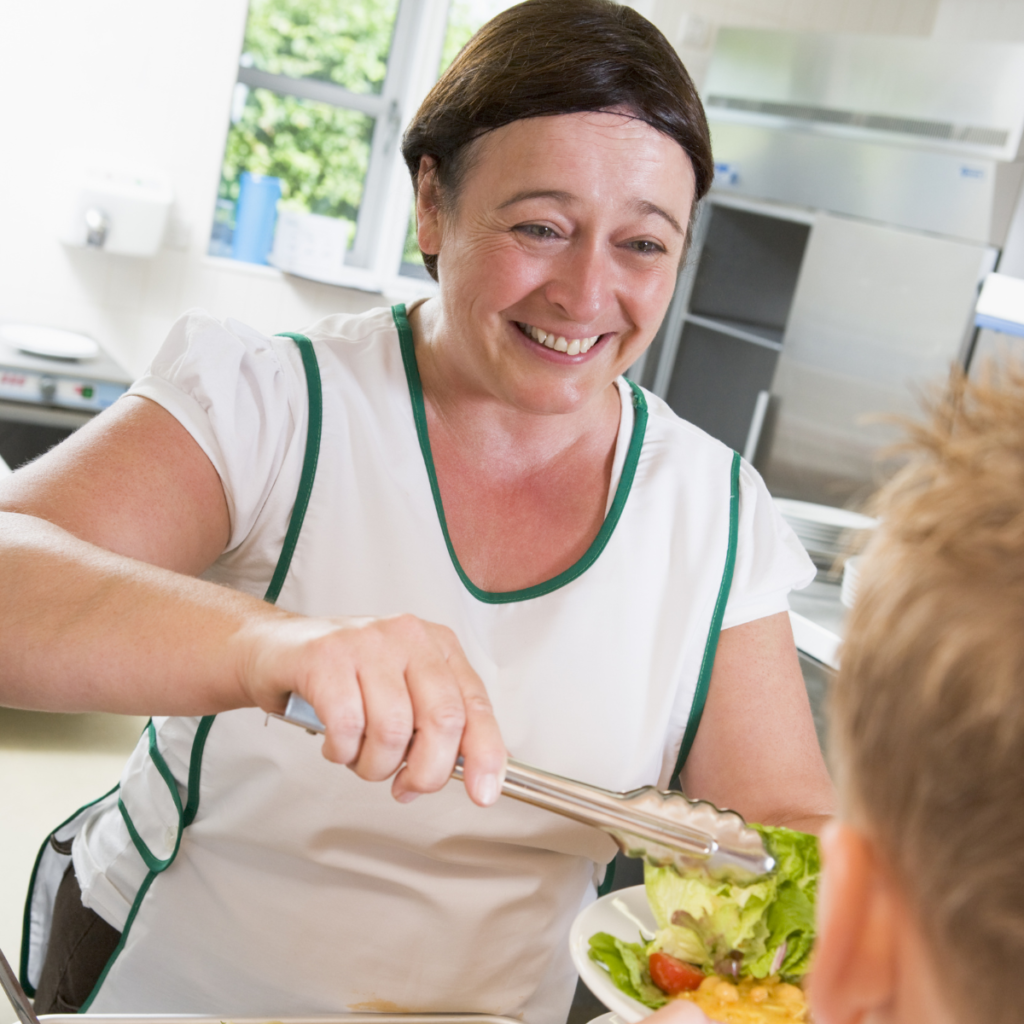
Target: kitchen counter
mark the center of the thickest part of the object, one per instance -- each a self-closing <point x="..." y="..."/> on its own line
<point x="820" y="603"/>
<point x="819" y="621"/>
<point x="818" y="618"/>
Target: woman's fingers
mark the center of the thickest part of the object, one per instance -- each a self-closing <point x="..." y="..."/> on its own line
<point x="397" y="693"/>
<point x="453" y="716"/>
<point x="386" y="650"/>
<point x="440" y="716"/>
<point x="482" y="745"/>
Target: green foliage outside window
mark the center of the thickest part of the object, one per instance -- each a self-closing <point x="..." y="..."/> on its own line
<point x="320" y="152"/>
<point x="464" y="18"/>
<point x="341" y="41"/>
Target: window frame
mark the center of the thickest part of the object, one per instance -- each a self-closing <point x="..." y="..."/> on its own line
<point x="373" y="262"/>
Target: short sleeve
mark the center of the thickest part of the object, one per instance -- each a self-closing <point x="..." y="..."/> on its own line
<point x="770" y="560"/>
<point x="232" y="389"/>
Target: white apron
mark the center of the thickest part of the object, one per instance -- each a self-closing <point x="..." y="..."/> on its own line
<point x="264" y="881"/>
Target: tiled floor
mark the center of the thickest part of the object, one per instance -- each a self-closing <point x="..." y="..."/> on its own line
<point x="49" y="766"/>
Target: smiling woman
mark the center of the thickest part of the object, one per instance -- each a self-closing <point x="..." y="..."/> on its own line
<point x="480" y="536"/>
<point x="557" y="263"/>
<point x="588" y="249"/>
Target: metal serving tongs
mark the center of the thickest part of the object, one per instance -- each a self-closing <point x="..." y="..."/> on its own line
<point x="664" y="828"/>
<point x="10" y="984"/>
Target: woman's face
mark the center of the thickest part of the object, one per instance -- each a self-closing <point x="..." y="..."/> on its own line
<point x="560" y="256"/>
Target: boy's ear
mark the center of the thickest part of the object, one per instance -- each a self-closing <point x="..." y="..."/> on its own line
<point x="428" y="207"/>
<point x="854" y="970"/>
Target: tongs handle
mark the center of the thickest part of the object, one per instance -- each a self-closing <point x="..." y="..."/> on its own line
<point x="593" y="806"/>
<point x="664" y="828"/>
<point x="10" y="984"/>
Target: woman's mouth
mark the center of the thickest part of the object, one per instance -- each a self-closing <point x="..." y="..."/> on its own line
<point x="570" y="346"/>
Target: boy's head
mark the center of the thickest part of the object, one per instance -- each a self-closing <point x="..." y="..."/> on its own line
<point x="922" y="914"/>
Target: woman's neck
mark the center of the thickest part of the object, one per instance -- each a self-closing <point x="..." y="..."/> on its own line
<point x="524" y="492"/>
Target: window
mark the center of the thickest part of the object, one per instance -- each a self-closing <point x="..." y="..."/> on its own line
<point x="313" y="179"/>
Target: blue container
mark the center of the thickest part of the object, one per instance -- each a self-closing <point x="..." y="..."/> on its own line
<point x="255" y="217"/>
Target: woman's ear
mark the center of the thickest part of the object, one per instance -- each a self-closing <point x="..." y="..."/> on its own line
<point x="854" y="971"/>
<point x="428" y="207"/>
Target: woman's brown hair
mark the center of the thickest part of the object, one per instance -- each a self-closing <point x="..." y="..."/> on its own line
<point x="547" y="57"/>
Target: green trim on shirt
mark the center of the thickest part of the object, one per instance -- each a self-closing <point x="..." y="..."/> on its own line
<point x="599" y="543"/>
<point x="187" y="814"/>
<point x="707" y="664"/>
<point x="312" y="455"/>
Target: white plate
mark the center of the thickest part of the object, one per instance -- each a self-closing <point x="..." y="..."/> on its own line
<point x="608" y="1018"/>
<point x="48" y="341"/>
<point x="620" y="914"/>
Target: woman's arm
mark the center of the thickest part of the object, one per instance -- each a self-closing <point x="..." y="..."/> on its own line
<point x="99" y="542"/>
<point x="756" y="750"/>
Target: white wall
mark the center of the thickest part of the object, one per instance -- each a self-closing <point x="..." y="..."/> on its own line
<point x="151" y="80"/>
<point x="987" y="20"/>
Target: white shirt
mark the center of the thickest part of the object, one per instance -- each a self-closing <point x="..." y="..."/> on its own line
<point x="301" y="889"/>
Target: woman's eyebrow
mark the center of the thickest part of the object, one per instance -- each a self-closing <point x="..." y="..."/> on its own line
<point x="643" y="206"/>
<point x="540" y="193"/>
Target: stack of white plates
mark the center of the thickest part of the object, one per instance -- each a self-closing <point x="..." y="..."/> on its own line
<point x="827" y="533"/>
<point x="851" y="580"/>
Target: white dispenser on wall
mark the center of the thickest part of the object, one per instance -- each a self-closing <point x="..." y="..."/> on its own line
<point x="122" y="211"/>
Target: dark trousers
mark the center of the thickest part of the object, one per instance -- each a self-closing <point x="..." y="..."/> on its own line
<point x="81" y="943"/>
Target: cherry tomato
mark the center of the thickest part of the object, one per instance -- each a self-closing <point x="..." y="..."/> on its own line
<point x="673" y="976"/>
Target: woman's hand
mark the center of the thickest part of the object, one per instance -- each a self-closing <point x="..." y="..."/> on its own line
<point x="388" y="691"/>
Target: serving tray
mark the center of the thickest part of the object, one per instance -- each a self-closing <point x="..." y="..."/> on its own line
<point x="339" y="1018"/>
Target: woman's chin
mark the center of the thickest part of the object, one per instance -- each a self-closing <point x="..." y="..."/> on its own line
<point x="557" y="398"/>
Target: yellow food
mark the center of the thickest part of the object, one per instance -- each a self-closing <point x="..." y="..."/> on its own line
<point x="752" y="1001"/>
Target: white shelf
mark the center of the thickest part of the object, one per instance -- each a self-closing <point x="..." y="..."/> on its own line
<point x="1001" y="305"/>
<point x="766" y="337"/>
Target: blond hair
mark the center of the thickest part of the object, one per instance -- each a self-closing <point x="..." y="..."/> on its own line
<point x="928" y="710"/>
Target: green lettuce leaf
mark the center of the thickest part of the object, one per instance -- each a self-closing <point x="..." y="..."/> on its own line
<point x="790" y="920"/>
<point x="627" y="964"/>
<point x="704" y="922"/>
<point x="682" y="943"/>
<point x="796" y="854"/>
<point x="719" y="916"/>
<point x="769" y="923"/>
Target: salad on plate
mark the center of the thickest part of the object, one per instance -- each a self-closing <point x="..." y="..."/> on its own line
<point x="730" y="947"/>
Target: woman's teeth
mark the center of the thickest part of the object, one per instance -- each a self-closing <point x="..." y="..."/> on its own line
<point x="575" y="347"/>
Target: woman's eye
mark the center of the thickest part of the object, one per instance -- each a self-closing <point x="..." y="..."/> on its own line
<point x="645" y="245"/>
<point x="536" y="230"/>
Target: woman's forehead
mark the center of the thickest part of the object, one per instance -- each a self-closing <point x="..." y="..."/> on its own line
<point x="581" y="154"/>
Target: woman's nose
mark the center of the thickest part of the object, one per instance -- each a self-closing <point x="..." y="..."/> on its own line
<point x="581" y="283"/>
